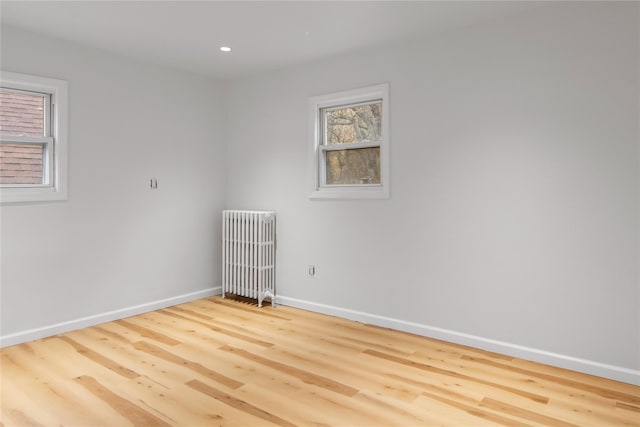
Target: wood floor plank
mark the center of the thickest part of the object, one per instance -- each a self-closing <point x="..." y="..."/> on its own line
<point x="476" y="412"/>
<point x="577" y="405"/>
<point x="186" y="330"/>
<point x="401" y="412"/>
<point x="523" y="413"/>
<point x="304" y="376"/>
<point x="124" y="407"/>
<point x="42" y="393"/>
<point x="628" y="407"/>
<point x="99" y="358"/>
<point x="238" y="404"/>
<point x="18" y="407"/>
<point x="453" y="374"/>
<point x="147" y="333"/>
<point x="19" y="418"/>
<point x="109" y="334"/>
<point x="601" y="391"/>
<point x="316" y="406"/>
<point x="193" y="408"/>
<point x="194" y="366"/>
<point x="218" y="329"/>
<point x="355" y="375"/>
<point x="227" y="363"/>
<point x="440" y="390"/>
<point x="235" y="325"/>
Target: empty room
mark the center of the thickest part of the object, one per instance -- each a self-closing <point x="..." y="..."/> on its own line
<point x="319" y="213"/>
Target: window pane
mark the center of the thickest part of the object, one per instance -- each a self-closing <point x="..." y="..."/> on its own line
<point x="22" y="113"/>
<point x="21" y="164"/>
<point x="357" y="166"/>
<point x="354" y="124"/>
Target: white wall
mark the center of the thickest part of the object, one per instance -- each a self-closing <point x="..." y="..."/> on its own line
<point x="115" y="243"/>
<point x="513" y="221"/>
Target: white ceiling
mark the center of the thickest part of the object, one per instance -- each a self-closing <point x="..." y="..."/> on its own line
<point x="264" y="35"/>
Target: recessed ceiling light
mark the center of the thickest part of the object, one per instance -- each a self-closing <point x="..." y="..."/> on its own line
<point x="225" y="49"/>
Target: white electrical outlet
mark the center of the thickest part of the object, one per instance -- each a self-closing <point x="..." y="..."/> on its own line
<point x="312" y="270"/>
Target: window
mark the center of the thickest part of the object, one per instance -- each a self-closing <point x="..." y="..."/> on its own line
<point x="33" y="138"/>
<point x="349" y="149"/>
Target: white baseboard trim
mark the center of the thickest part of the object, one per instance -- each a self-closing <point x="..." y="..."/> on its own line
<point x="559" y="360"/>
<point x="84" y="322"/>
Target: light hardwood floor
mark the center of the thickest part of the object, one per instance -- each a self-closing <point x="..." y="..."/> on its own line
<point x="216" y="362"/>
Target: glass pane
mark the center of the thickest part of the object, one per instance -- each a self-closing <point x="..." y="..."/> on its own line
<point x="21" y="164"/>
<point x="353" y="124"/>
<point x="22" y="113"/>
<point x="357" y="166"/>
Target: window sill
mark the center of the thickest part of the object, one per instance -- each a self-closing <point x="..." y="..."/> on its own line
<point x="350" y="193"/>
<point x="31" y="194"/>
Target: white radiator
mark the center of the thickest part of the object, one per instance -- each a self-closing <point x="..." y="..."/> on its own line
<point x="249" y="254"/>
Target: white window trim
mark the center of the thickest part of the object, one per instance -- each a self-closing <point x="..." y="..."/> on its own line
<point x="56" y="188"/>
<point x="316" y="149"/>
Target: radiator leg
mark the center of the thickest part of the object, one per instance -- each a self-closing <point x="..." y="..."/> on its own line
<point x="265" y="294"/>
